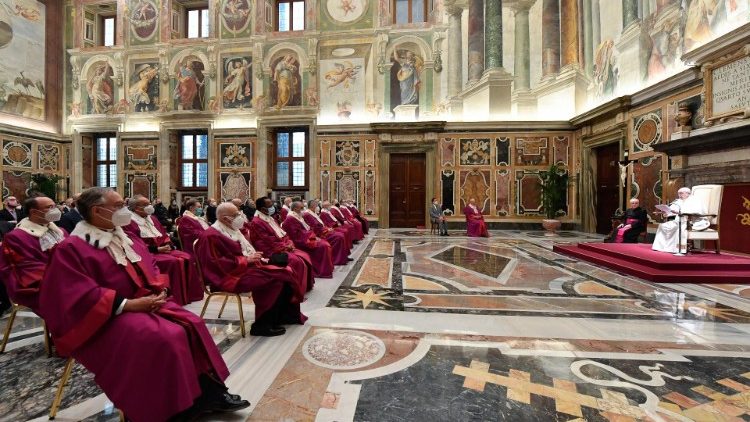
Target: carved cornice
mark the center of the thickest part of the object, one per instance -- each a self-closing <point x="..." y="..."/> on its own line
<point x="718" y="47"/>
<point x="708" y="141"/>
<point x="612" y="107"/>
<point x="408" y="127"/>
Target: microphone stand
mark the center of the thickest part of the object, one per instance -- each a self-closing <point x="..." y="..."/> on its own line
<point x="679" y="231"/>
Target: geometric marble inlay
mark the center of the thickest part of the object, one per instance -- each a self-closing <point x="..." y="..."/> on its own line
<point x="343" y="349"/>
<point x="480" y="262"/>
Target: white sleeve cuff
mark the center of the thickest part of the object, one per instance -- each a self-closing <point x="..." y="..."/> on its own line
<point x="121" y="307"/>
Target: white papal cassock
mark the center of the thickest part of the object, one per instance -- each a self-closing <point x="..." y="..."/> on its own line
<point x="668" y="233"/>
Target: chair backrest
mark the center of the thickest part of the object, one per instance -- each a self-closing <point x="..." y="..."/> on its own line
<point x="710" y="195"/>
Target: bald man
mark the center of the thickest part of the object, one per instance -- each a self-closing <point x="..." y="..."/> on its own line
<point x="305" y="239"/>
<point x="185" y="285"/>
<point x="231" y="264"/>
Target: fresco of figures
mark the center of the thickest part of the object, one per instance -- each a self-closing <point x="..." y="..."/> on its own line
<point x="237" y="90"/>
<point x="100" y="89"/>
<point x="286" y="82"/>
<point x="235" y="15"/>
<point x="405" y="77"/>
<point x="22" y="37"/>
<point x="342" y="82"/>
<point x="143" y="92"/>
<point x="190" y="89"/>
<point x="144" y="18"/>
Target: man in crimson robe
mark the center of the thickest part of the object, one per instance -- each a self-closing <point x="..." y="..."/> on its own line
<point x="230" y="264"/>
<point x="305" y="239"/>
<point x="342" y="218"/>
<point x="286" y="208"/>
<point x="349" y="205"/>
<point x="340" y="245"/>
<point x="185" y="285"/>
<point x="269" y="238"/>
<point x="191" y="225"/>
<point x="107" y="306"/>
<point x="475" y="225"/>
<point x="331" y="221"/>
<point x="27" y="248"/>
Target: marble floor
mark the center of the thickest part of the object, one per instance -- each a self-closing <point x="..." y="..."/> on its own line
<point x="428" y="328"/>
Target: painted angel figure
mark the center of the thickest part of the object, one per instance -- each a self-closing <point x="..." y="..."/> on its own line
<point x="347" y="6"/>
<point x="344" y="74"/>
<point x="100" y="90"/>
<point x="238" y="81"/>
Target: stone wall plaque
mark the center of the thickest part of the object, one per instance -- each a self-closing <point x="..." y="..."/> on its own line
<point x="727" y="84"/>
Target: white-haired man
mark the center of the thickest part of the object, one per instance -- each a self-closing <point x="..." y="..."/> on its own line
<point x="674" y="230"/>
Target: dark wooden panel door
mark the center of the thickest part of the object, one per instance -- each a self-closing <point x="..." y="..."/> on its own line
<point x="607" y="186"/>
<point x="407" y="202"/>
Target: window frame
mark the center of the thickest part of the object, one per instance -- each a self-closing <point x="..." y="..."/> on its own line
<point x="410" y="21"/>
<point x="102" y="32"/>
<point x="200" y="22"/>
<point x="107" y="161"/>
<point x="194" y="161"/>
<point x="289" y="159"/>
<point x="291" y="15"/>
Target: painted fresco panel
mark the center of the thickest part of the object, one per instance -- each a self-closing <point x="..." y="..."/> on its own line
<point x="100" y="89"/>
<point x="476" y="184"/>
<point x="342" y="85"/>
<point x="235" y="17"/>
<point x="286" y="81"/>
<point x="235" y="154"/>
<point x="406" y="74"/>
<point x="189" y="84"/>
<point x="143" y="92"/>
<point x="144" y="20"/>
<point x="237" y="86"/>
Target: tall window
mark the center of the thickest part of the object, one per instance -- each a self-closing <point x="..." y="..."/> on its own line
<point x="197" y="23"/>
<point x="409" y="11"/>
<point x="106" y="161"/>
<point x="107" y="28"/>
<point x="290" y="15"/>
<point x="194" y="161"/>
<point x="291" y="159"/>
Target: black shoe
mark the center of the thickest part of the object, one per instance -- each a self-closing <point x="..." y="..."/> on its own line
<point x="226" y="403"/>
<point x="349" y="259"/>
<point x="267" y="331"/>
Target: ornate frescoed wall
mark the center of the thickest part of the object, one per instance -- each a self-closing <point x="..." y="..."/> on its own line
<point x="139" y="167"/>
<point x="236" y="169"/>
<point x="348" y="170"/>
<point x="24" y="157"/>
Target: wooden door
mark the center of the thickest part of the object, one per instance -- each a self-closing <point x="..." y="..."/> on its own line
<point x="407" y="203"/>
<point x="607" y="186"/>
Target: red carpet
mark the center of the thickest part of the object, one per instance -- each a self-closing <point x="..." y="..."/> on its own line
<point x="639" y="260"/>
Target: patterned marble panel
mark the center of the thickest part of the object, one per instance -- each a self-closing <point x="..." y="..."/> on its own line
<point x="140" y="157"/>
<point x="370" y="203"/>
<point x="528" y="193"/>
<point x="347" y="153"/>
<point x="502" y="151"/>
<point x="347" y="185"/>
<point x="561" y="150"/>
<point x="647" y="130"/>
<point x="235" y="154"/>
<point x="17" y="154"/>
<point x="16" y="183"/>
<point x="532" y="151"/>
<point x="376" y="272"/>
<point x="447" y="152"/>
<point x="646" y="183"/>
<point x="480" y="262"/>
<point x="236" y="185"/>
<point x="140" y="184"/>
<point x="49" y="157"/>
<point x="502" y="192"/>
<point x="476" y="184"/>
<point x="325" y="153"/>
<point x="325" y="185"/>
<point x="474" y="152"/>
<point x="447" y="182"/>
<point x="370" y="152"/>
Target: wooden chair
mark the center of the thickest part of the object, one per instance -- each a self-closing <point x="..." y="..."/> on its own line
<point x="67" y="371"/>
<point x="211" y="293"/>
<point x="9" y="328"/>
<point x="711" y="196"/>
<point x="434" y="225"/>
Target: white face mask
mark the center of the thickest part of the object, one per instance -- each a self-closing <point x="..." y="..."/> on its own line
<point x="148" y="209"/>
<point x="238" y="222"/>
<point x="53" y="215"/>
<point x="121" y="217"/>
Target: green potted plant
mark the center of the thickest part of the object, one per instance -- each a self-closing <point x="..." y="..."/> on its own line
<point x="554" y="186"/>
<point x="46" y="184"/>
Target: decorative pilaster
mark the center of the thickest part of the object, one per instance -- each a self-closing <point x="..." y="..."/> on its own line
<point x="588" y="37"/>
<point x="629" y="12"/>
<point x="550" y="37"/>
<point x="569" y="33"/>
<point x="455" y="78"/>
<point x="522" y="51"/>
<point x="476" y="40"/>
<point x="493" y="34"/>
<point x="596" y="24"/>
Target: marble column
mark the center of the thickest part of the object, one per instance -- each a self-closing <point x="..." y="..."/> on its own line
<point x="629" y="12"/>
<point x="476" y="39"/>
<point x="569" y="33"/>
<point x="596" y="24"/>
<point x="493" y="34"/>
<point x="522" y="51"/>
<point x="588" y="37"/>
<point x="550" y="37"/>
<point x="455" y="78"/>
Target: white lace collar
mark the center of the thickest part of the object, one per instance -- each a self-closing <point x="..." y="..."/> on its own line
<point x="146" y="224"/>
<point x="274" y="225"/>
<point x="236" y="235"/>
<point x="49" y="235"/>
<point x="116" y="242"/>
<point x="201" y="220"/>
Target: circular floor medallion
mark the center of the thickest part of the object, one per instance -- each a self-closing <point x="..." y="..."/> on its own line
<point x="343" y="349"/>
